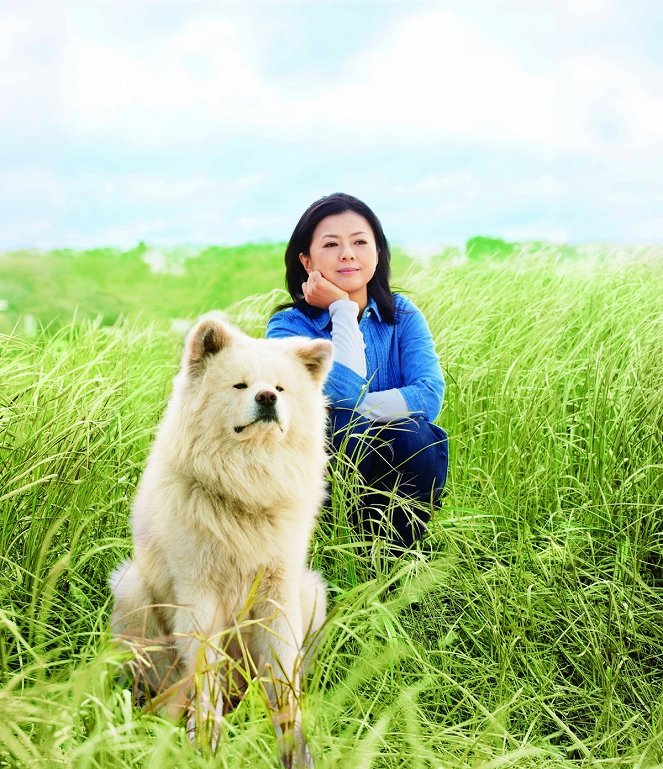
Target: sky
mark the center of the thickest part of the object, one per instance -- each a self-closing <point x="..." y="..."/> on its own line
<point x="220" y="122"/>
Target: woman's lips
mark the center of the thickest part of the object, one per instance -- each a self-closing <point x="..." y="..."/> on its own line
<point x="348" y="269"/>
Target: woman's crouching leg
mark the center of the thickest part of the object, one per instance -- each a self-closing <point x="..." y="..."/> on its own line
<point x="410" y="476"/>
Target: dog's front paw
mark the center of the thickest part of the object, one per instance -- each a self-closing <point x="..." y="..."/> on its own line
<point x="302" y="758"/>
<point x="205" y="722"/>
<point x="295" y="753"/>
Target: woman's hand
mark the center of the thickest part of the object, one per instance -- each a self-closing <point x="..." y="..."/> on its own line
<point x="320" y="292"/>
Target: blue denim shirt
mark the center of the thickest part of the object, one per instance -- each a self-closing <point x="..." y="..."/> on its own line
<point x="400" y="356"/>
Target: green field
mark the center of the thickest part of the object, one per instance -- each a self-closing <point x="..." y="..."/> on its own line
<point x="528" y="632"/>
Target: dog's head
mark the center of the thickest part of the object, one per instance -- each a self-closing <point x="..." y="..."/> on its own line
<point x="241" y="389"/>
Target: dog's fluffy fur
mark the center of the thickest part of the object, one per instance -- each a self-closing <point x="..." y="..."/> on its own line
<point x="222" y="521"/>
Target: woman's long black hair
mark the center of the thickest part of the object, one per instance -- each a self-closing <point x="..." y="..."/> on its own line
<point x="300" y="243"/>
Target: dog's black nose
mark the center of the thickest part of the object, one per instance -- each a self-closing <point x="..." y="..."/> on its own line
<point x="266" y="398"/>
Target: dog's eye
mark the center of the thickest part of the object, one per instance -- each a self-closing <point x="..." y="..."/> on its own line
<point x="240" y="386"/>
<point x="279" y="389"/>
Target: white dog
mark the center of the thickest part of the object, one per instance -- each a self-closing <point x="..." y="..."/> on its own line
<point x="221" y="526"/>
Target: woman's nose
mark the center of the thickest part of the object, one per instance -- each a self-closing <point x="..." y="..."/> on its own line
<point x="347" y="252"/>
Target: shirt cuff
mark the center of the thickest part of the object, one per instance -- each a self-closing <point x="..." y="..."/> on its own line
<point x="384" y="406"/>
<point x="344" y="387"/>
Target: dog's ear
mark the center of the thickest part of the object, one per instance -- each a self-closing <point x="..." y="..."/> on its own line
<point x="206" y="338"/>
<point x="316" y="355"/>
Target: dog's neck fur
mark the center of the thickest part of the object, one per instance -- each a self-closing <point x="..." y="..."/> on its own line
<point x="225" y="503"/>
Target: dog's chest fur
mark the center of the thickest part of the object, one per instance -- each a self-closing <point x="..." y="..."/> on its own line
<point x="220" y="543"/>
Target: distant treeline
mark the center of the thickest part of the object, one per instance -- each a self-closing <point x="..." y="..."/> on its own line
<point x="50" y="287"/>
<point x="147" y="281"/>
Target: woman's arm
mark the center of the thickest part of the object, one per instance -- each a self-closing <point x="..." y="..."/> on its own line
<point x="422" y="389"/>
<point x="349" y="349"/>
<point x="423" y="382"/>
<point x="384" y="406"/>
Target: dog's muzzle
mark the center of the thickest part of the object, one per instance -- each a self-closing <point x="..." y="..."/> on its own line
<point x="265" y="409"/>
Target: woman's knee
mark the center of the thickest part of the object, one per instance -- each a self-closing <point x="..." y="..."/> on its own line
<point x="414" y="451"/>
<point x="417" y="441"/>
<point x="420" y="454"/>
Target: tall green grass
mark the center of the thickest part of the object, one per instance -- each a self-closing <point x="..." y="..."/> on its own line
<point x="526" y="631"/>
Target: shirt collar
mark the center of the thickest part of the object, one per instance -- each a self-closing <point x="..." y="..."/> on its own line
<point x="324" y="319"/>
<point x="373" y="307"/>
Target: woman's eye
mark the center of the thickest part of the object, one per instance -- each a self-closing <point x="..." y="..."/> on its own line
<point x="361" y="242"/>
<point x="327" y="245"/>
<point x="240" y="386"/>
<point x="279" y="388"/>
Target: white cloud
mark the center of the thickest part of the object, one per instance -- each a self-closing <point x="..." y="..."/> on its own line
<point x="30" y="51"/>
<point x="538" y="230"/>
<point x="546" y="187"/>
<point x="436" y="77"/>
<point x="160" y="190"/>
<point x="575" y="11"/>
<point x="464" y="183"/>
<point x="609" y="104"/>
<point x="261" y="223"/>
<point x="100" y="76"/>
<point x="433" y="77"/>
<point x="124" y="235"/>
<point x="34" y="184"/>
<point x="175" y="88"/>
<point x="648" y="230"/>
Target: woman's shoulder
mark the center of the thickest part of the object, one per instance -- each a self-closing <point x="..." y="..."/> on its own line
<point x="402" y="304"/>
<point x="409" y="317"/>
<point x="291" y="309"/>
<point x="285" y="312"/>
<point x="284" y="316"/>
<point x="291" y="321"/>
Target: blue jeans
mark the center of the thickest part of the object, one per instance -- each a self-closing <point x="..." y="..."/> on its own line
<point x="407" y="456"/>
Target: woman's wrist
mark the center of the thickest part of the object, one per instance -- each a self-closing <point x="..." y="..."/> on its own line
<point x="343" y="305"/>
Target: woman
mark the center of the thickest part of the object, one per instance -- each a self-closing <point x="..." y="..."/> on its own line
<point x="386" y="387"/>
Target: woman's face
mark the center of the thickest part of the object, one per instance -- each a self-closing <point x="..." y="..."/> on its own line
<point x="343" y="250"/>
